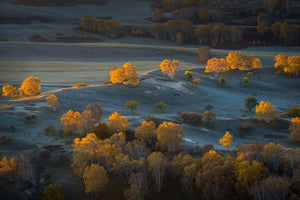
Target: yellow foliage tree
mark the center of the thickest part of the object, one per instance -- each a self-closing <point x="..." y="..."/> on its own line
<point x="169" y="68"/>
<point x="250" y="63"/>
<point x="293" y="67"/>
<point x="235" y="60"/>
<point x="30" y="86"/>
<point x="9" y="168"/>
<point x="73" y="121"/>
<point x="146" y="132"/>
<point x="52" y="102"/>
<point x="95" y="178"/>
<point x="9" y="90"/>
<point x="118" y="123"/>
<point x="158" y="164"/>
<point x="197" y="81"/>
<point x="281" y="61"/>
<point x="170" y="135"/>
<point x="295" y="129"/>
<point x="216" y="65"/>
<point x="126" y="74"/>
<point x="265" y="111"/>
<point x="226" y="140"/>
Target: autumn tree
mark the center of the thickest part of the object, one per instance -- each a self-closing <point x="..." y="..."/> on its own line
<point x="188" y="74"/>
<point x="52" y="102"/>
<point x="95" y="178"/>
<point x="204" y="54"/>
<point x="247" y="174"/>
<point x="9" y="90"/>
<point x="160" y="105"/>
<point x="136" y="190"/>
<point x="245" y="80"/>
<point x="235" y="60"/>
<point x="226" y="140"/>
<point x="157" y="15"/>
<point x="72" y="122"/>
<point x="265" y="111"/>
<point x="188" y="179"/>
<point x="87" y="23"/>
<point x="9" y="168"/>
<point x="293" y="67"/>
<point x="275" y="187"/>
<point x="137" y="149"/>
<point x="158" y="164"/>
<point x="133" y="105"/>
<point x="250" y="63"/>
<point x="197" y="81"/>
<point x="146" y="132"/>
<point x="216" y="65"/>
<point x="117" y="123"/>
<point x="250" y="102"/>
<point x="274" y="156"/>
<point x="249" y="152"/>
<point x="169" y="68"/>
<point x="170" y="135"/>
<point x="53" y="192"/>
<point x="124" y="166"/>
<point x="178" y="164"/>
<point x="31" y="86"/>
<point x="126" y="75"/>
<point x="295" y="129"/>
<point x="95" y="110"/>
<point x="281" y="61"/>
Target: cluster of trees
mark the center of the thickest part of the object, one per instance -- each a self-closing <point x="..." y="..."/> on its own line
<point x="289" y="65"/>
<point x="197" y="119"/>
<point x="234" y="60"/>
<point x="217" y="33"/>
<point x="126" y="74"/>
<point x="169" y="68"/>
<point x="171" y="28"/>
<point x="286" y="32"/>
<point x="76" y="122"/>
<point x="31" y="86"/>
<point x="107" y="28"/>
<point x="131" y="161"/>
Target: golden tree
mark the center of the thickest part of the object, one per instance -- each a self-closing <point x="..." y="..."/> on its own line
<point x="146" y="132"/>
<point x="235" y="60"/>
<point x="158" y="164"/>
<point x="226" y="140"/>
<point x="73" y="121"/>
<point x="250" y="63"/>
<point x="170" y="135"/>
<point x="293" y="66"/>
<point x="117" y="75"/>
<point x="295" y="129"/>
<point x="95" y="178"/>
<point x="281" y="61"/>
<point x="52" y="102"/>
<point x="178" y="164"/>
<point x="9" y="167"/>
<point x="189" y="173"/>
<point x="130" y="74"/>
<point x="204" y="54"/>
<point x="265" y="111"/>
<point x="9" y="90"/>
<point x="169" y="68"/>
<point x="216" y="65"/>
<point x="274" y="156"/>
<point x="197" y="81"/>
<point x="118" y="123"/>
<point x="30" y="86"/>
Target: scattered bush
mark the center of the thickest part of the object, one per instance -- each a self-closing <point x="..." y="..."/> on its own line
<point x="157" y="121"/>
<point x="197" y="81"/>
<point x="50" y="129"/>
<point x="250" y="102"/>
<point x="191" y="118"/>
<point x="189" y="75"/>
<point x="30" y="117"/>
<point x="133" y="105"/>
<point x="82" y="84"/>
<point x="246" y="126"/>
<point x="293" y="112"/>
<point x="160" y="105"/>
<point x="208" y="117"/>
<point x="222" y="80"/>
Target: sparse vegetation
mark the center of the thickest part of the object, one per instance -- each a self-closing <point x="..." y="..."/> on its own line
<point x="30" y="117"/>
<point x="250" y="102"/>
<point x="188" y="74"/>
<point x="82" y="84"/>
<point x="160" y="105"/>
<point x="222" y="80"/>
<point x="133" y="105"/>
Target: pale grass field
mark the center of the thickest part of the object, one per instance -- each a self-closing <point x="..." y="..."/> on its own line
<point x="68" y="73"/>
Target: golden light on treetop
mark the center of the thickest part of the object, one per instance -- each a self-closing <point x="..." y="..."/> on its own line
<point x="265" y="111"/>
<point x="169" y="68"/>
<point x="235" y="59"/>
<point x="126" y="74"/>
<point x="30" y="86"/>
<point x="118" y="123"/>
<point x="226" y="140"/>
<point x="216" y="65"/>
